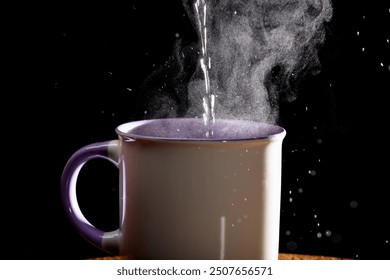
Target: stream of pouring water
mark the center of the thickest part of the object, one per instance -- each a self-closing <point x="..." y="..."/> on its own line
<point x="205" y="64"/>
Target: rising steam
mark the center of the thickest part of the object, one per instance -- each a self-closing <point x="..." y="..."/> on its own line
<point x="256" y="48"/>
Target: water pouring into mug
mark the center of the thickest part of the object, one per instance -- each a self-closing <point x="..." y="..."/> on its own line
<point x="205" y="64"/>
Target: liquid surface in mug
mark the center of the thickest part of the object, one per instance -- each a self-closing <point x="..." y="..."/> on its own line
<point x="193" y="129"/>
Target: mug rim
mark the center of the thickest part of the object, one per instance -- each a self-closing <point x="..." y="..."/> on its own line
<point x="263" y="130"/>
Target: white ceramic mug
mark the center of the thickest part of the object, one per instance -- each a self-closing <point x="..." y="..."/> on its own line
<point x="187" y="196"/>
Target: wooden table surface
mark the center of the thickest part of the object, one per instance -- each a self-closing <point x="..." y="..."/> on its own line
<point x="282" y="256"/>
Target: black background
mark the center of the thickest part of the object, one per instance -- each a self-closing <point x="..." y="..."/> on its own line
<point x="75" y="72"/>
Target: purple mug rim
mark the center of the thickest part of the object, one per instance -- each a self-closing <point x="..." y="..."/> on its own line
<point x="129" y="130"/>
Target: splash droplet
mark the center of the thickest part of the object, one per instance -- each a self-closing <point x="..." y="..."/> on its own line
<point x="312" y="172"/>
<point x="353" y="204"/>
<point x="292" y="245"/>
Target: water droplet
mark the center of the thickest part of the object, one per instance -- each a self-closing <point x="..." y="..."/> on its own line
<point x="235" y="190"/>
<point x="315" y="216"/>
<point x="357" y="33"/>
<point x="245" y="199"/>
<point x="300" y="190"/>
<point x="290" y="199"/>
<point x="288" y="232"/>
<point x="245" y="216"/>
<point x="239" y="220"/>
<point x="353" y="204"/>
<point x="177" y="35"/>
<point x="319" y="141"/>
<point x="328" y="233"/>
<point x="363" y="49"/>
<point x="336" y="238"/>
<point x="319" y="235"/>
<point x="292" y="245"/>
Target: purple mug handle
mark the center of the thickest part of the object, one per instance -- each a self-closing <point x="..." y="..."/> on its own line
<point x="108" y="241"/>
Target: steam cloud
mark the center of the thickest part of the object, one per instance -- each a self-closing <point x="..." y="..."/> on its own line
<point x="257" y="48"/>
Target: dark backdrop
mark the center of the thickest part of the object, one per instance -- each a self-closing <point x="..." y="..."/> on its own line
<point x="76" y="73"/>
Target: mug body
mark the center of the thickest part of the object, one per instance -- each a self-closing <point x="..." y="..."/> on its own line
<point x="184" y="196"/>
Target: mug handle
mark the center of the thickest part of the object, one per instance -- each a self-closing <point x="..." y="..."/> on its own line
<point x="108" y="150"/>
